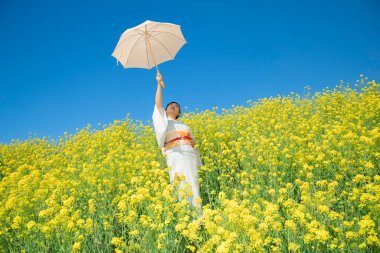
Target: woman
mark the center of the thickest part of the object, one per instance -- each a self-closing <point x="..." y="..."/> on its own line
<point x="177" y="143"/>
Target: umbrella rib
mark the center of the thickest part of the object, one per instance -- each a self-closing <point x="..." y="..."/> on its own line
<point x="147" y="53"/>
<point x="122" y="40"/>
<point x="139" y="31"/>
<point x="154" y="27"/>
<point x="166" y="31"/>
<point x="134" y="44"/>
<point x="163" y="47"/>
<point x="170" y="34"/>
<point x="142" y="31"/>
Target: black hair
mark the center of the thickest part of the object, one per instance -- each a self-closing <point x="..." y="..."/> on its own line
<point x="174" y="103"/>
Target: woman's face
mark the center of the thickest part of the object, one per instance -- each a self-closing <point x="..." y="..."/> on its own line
<point x="173" y="110"/>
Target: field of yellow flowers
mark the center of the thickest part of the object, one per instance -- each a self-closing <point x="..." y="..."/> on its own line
<point x="282" y="174"/>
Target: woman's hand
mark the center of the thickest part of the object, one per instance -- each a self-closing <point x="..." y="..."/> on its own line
<point x="159" y="80"/>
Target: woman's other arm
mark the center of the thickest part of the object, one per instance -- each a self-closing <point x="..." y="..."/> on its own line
<point x="159" y="92"/>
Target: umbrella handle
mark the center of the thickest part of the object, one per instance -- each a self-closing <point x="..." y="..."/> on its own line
<point x="161" y="82"/>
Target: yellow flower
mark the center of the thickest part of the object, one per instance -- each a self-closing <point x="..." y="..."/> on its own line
<point x="180" y="226"/>
<point x="89" y="224"/>
<point x="176" y="181"/>
<point x="291" y="225"/>
<point x="189" y="193"/>
<point x="134" y="232"/>
<point x="116" y="241"/>
<point x="323" y="209"/>
<point x="76" y="246"/>
<point x="308" y="238"/>
<point x="122" y="205"/>
<point x="80" y="223"/>
<point x="91" y="206"/>
<point x="70" y="225"/>
<point x="30" y="224"/>
<point x="191" y="248"/>
<point x="16" y="222"/>
<point x="369" y="165"/>
<point x="293" y="247"/>
<point x="350" y="235"/>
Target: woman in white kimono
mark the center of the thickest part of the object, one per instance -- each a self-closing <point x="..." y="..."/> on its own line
<point x="177" y="141"/>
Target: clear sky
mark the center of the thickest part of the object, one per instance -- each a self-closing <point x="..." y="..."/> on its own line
<point x="57" y="73"/>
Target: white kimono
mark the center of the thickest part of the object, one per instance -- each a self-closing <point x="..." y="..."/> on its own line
<point x="182" y="158"/>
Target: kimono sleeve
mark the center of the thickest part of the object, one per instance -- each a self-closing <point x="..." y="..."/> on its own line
<point x="160" y="123"/>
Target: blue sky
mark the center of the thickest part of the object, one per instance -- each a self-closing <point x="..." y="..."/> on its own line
<point x="57" y="73"/>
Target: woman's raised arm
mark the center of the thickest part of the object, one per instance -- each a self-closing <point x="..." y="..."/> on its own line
<point x="159" y="92"/>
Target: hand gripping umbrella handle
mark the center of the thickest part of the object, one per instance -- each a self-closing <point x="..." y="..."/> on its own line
<point x="161" y="82"/>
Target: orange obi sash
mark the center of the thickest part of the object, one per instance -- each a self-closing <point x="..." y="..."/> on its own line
<point x="176" y="141"/>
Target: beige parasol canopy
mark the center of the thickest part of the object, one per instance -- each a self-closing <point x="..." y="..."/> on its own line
<point x="149" y="44"/>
